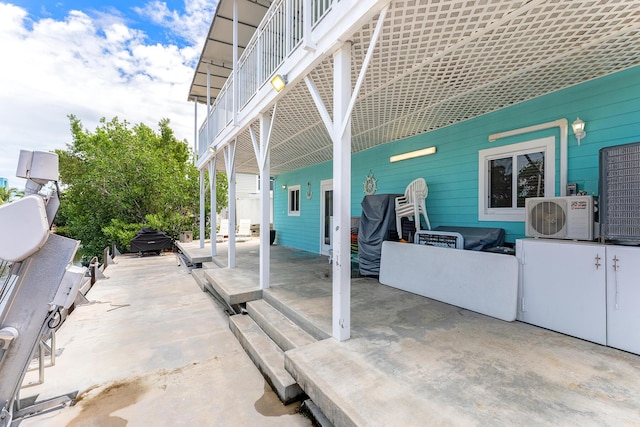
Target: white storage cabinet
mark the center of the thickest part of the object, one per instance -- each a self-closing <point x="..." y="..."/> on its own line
<point x="583" y="289"/>
<point x="623" y="298"/>
<point x="563" y="287"/>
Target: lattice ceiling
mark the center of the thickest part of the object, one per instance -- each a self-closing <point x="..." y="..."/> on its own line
<point x="442" y="62"/>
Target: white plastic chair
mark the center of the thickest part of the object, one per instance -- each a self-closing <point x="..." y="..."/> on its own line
<point x="223" y="231"/>
<point x="412" y="204"/>
<point x="244" y="229"/>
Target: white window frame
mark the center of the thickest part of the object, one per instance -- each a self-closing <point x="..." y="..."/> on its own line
<point x="290" y="190"/>
<point x="546" y="145"/>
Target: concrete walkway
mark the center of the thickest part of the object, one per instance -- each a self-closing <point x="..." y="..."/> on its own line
<point x="151" y="350"/>
<point x="413" y="361"/>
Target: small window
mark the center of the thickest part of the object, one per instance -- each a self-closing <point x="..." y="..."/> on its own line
<point x="258" y="183"/>
<point x="294" y="200"/>
<point x="510" y="174"/>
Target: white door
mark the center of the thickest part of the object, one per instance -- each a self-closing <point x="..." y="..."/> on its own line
<point x="623" y="298"/>
<point x="326" y="216"/>
<point x="564" y="287"/>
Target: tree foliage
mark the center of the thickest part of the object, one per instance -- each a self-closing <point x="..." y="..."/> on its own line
<point x="8" y="194"/>
<point x="121" y="178"/>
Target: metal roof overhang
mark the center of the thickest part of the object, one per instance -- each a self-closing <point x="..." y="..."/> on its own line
<point x="439" y="63"/>
<point x="217" y="52"/>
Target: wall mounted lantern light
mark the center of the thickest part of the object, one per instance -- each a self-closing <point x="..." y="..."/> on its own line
<point x="578" y="129"/>
<point x="412" y="154"/>
<point x="279" y="82"/>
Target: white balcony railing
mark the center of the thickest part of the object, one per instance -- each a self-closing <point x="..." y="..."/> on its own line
<point x="281" y="31"/>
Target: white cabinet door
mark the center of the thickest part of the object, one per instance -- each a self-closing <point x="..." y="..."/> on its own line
<point x="564" y="287"/>
<point x="623" y="298"/>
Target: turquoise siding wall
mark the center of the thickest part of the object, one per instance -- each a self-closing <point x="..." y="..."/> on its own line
<point x="302" y="231"/>
<point x="610" y="107"/>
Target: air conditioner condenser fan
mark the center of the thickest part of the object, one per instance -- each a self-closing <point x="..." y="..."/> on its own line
<point x="548" y="218"/>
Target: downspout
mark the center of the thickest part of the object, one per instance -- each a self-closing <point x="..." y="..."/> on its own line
<point x="563" y="124"/>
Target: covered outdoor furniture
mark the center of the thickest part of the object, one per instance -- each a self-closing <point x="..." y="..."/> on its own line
<point x="412" y="204"/>
<point x="377" y="224"/>
<point x="477" y="238"/>
<point x="150" y="240"/>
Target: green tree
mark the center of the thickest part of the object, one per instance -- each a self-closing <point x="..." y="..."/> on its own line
<point x="121" y="178"/>
<point x="8" y="194"/>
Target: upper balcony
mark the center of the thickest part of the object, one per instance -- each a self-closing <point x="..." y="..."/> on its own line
<point x="286" y="27"/>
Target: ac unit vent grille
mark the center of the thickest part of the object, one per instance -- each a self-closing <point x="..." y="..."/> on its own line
<point x="548" y="218"/>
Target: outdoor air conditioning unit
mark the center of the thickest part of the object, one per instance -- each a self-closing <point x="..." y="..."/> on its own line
<point x="568" y="217"/>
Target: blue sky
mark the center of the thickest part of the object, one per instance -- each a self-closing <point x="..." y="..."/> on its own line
<point x="128" y="10"/>
<point x="131" y="59"/>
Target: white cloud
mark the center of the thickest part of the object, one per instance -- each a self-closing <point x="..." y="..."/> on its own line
<point x="191" y="26"/>
<point x="91" y="67"/>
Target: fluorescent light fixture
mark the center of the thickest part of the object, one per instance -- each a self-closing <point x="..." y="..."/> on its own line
<point x="578" y="129"/>
<point x="412" y="154"/>
<point x="278" y="82"/>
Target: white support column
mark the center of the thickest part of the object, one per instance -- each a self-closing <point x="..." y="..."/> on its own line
<point x="196" y="149"/>
<point x="230" y="163"/>
<point x="208" y="119"/>
<point x="213" y="205"/>
<point x="202" y="213"/>
<point x="263" y="155"/>
<point x="307" y="43"/>
<point x="341" y="193"/>
<point x="236" y="83"/>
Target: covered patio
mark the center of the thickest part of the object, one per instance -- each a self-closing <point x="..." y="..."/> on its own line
<point x="363" y="75"/>
<point x="363" y="82"/>
<point x="415" y="361"/>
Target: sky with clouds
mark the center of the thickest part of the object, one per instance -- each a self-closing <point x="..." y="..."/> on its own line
<point x="130" y="59"/>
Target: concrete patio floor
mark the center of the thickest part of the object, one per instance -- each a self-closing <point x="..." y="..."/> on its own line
<point x="152" y="349"/>
<point x="416" y="361"/>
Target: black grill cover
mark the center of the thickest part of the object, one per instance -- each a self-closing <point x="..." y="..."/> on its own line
<point x="148" y="239"/>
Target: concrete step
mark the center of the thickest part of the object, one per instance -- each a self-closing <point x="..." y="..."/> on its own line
<point x="198" y="276"/>
<point x="316" y="368"/>
<point x="266" y="355"/>
<point x="235" y="286"/>
<point x="211" y="265"/>
<point x="277" y="326"/>
<point x="296" y="317"/>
